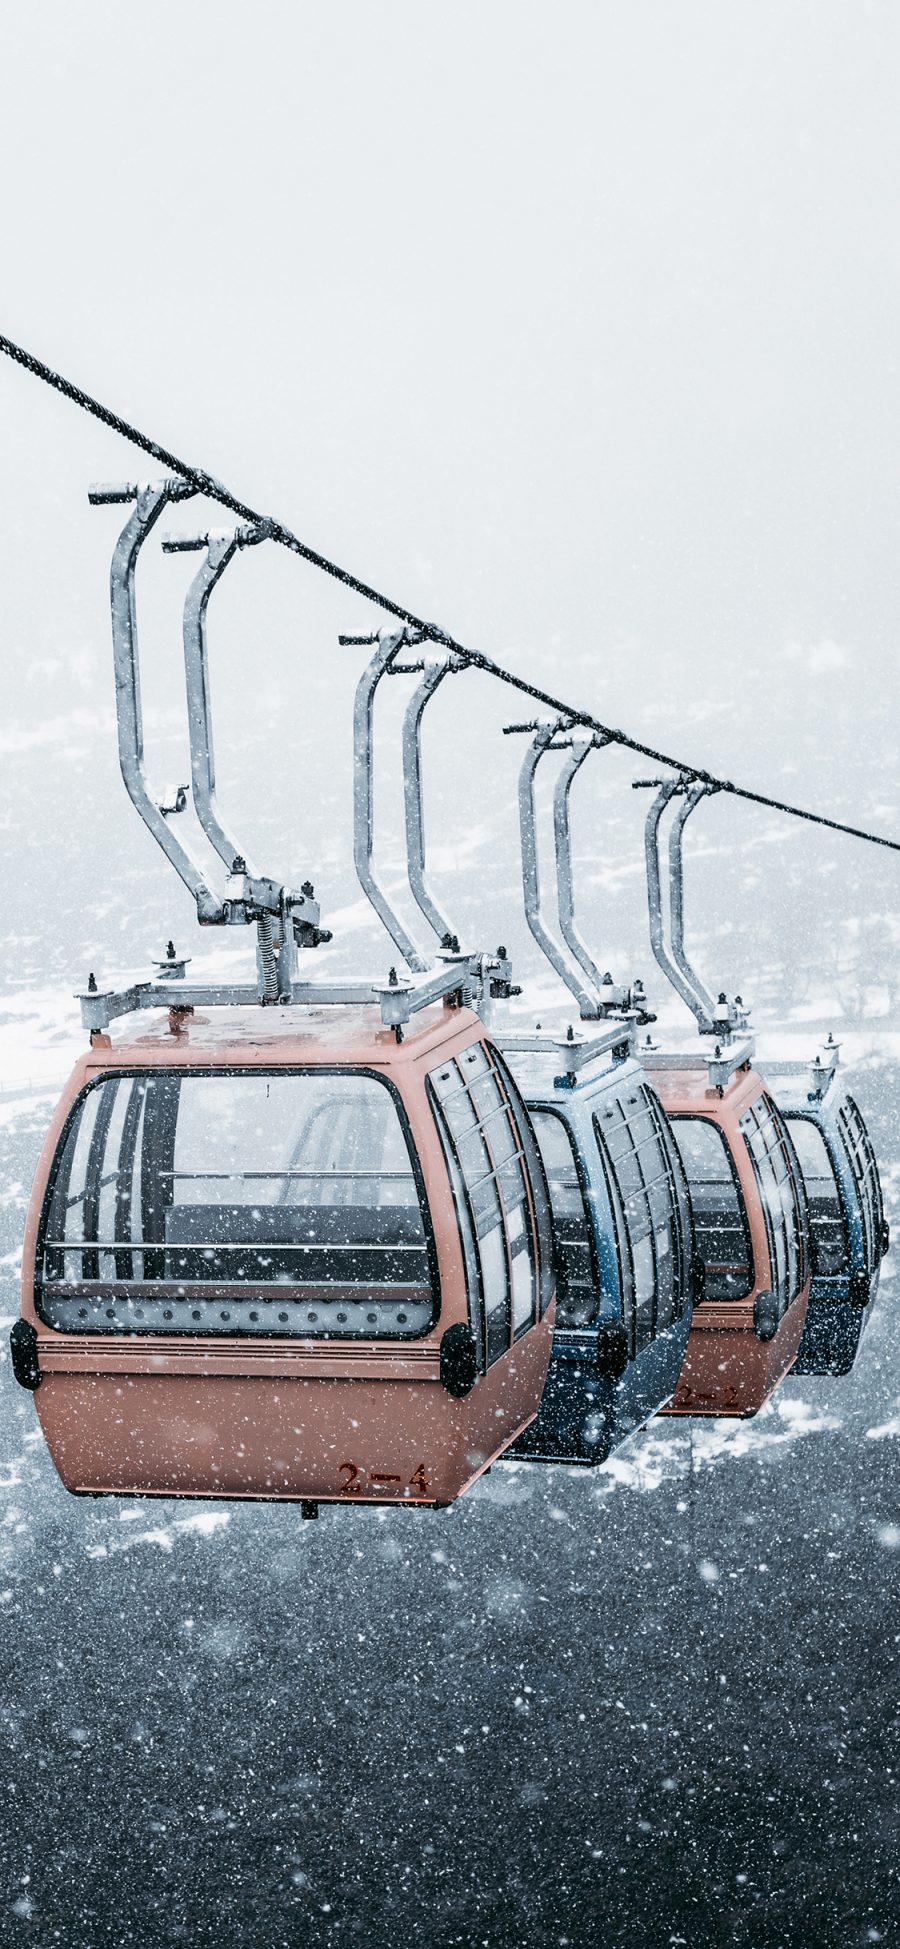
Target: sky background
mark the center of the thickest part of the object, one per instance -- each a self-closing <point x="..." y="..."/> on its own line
<point x="573" y="329"/>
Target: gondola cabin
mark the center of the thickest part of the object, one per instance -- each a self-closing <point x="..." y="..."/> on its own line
<point x="621" y="1221"/>
<point x="281" y="1254"/>
<point x="750" y="1229"/>
<point x="848" y="1232"/>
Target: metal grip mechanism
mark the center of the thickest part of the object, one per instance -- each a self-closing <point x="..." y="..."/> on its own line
<point x="118" y="493"/>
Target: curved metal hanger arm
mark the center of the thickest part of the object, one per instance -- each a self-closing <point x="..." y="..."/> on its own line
<point x="589" y="1006"/>
<point x="668" y="964"/>
<point x="563" y="847"/>
<point x="436" y="669"/>
<point x="705" y="1005"/>
<point x="386" y="646"/>
<point x="149" y="503"/>
<point x="220" y="550"/>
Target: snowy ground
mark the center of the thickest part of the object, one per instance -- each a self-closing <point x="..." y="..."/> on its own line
<point x="656" y="1704"/>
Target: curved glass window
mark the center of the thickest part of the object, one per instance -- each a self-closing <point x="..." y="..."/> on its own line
<point x="238" y="1202"/>
<point x="858" y="1146"/>
<point x="781" y="1191"/>
<point x="651" y="1210"/>
<point x="500" y="1194"/>
<point x="721" y="1233"/>
<point x="829" y="1244"/>
<point x="578" y="1282"/>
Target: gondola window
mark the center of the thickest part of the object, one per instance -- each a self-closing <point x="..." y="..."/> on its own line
<point x="284" y="1204"/>
<point x="648" y="1198"/>
<point x="720" y="1225"/>
<point x="499" y="1194"/>
<point x="578" y="1296"/>
<point x="780" y="1184"/>
<point x="829" y="1250"/>
<point x="865" y="1176"/>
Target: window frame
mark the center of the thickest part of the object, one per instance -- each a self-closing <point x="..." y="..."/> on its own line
<point x="529" y="1161"/>
<point x="852" y="1125"/>
<point x="831" y="1144"/>
<point x="535" y="1184"/>
<point x="697" y="1116"/>
<point x="132" y="1134"/>
<point x="681" y="1230"/>
<point x="552" y="1110"/>
<point x="773" y="1120"/>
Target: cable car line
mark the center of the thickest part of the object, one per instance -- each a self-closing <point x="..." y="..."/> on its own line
<point x="205" y="483"/>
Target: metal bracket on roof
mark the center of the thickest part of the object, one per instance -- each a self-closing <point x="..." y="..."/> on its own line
<point x="820" y="1073"/>
<point x="721" y="1017"/>
<point x="459" y="980"/>
<point x="574" y="1050"/>
<point x="720" y="1066"/>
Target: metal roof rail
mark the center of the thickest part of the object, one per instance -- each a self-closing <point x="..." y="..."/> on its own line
<point x="457" y="981"/>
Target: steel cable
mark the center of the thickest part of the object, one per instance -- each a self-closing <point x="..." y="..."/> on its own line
<point x="206" y="484"/>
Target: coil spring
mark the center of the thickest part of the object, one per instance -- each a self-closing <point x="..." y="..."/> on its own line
<point x="267" y="961"/>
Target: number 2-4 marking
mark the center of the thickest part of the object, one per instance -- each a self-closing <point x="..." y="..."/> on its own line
<point x="355" y="1479"/>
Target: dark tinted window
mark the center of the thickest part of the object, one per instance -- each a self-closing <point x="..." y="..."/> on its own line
<point x="647" y="1194"/>
<point x="829" y="1246"/>
<point x="174" y="1194"/>
<point x="781" y="1192"/>
<point x="500" y="1193"/>
<point x="721" y="1233"/>
<point x="858" y="1146"/>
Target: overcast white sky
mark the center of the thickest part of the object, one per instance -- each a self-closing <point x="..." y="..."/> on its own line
<point x="573" y="326"/>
